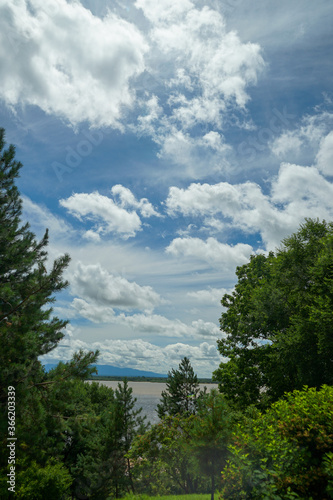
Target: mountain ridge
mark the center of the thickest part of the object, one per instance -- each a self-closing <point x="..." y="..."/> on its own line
<point x="115" y="371"/>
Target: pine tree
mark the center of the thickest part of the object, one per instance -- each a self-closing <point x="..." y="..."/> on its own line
<point x="182" y="394"/>
<point x="125" y="423"/>
<point x="28" y="329"/>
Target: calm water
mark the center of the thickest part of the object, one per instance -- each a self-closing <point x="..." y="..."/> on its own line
<point x="148" y="395"/>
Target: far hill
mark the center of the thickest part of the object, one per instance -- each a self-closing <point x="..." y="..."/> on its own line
<point x="115" y="371"/>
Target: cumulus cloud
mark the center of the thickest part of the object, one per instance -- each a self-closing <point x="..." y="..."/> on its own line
<point x="95" y="284"/>
<point x="128" y="200"/>
<point x="297" y="192"/>
<point x="210" y="296"/>
<point x="211" y="251"/>
<point x="204" y="199"/>
<point x="208" y="71"/>
<point x="140" y="354"/>
<point x="324" y="159"/>
<point x="161" y="326"/>
<point x="305" y="139"/>
<point x="92" y="236"/>
<point x="57" y="55"/>
<point x="217" y="60"/>
<point x="298" y="185"/>
<point x="92" y="311"/>
<point x="98" y="306"/>
<point x="110" y="216"/>
<point x="164" y="11"/>
<point x="286" y="143"/>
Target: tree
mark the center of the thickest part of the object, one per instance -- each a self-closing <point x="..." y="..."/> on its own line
<point x="163" y="463"/>
<point x="125" y="422"/>
<point x="210" y="435"/>
<point x="182" y="393"/>
<point x="28" y="329"/>
<point x="278" y="324"/>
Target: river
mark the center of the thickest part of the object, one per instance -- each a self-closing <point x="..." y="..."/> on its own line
<point x="148" y="395"/>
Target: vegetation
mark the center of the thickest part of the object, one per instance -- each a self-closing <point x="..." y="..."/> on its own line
<point x="182" y="393"/>
<point x="169" y="497"/>
<point x="279" y="320"/>
<point x="268" y="433"/>
<point x="286" y="452"/>
<point x="69" y="442"/>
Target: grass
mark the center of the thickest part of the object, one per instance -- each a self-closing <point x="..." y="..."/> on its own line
<point x="169" y="497"/>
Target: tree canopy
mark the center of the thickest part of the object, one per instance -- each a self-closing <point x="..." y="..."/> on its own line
<point x="278" y="323"/>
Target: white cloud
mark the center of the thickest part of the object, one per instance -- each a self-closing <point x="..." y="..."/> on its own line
<point x="305" y="139"/>
<point x="207" y="70"/>
<point x="147" y="123"/>
<point x="128" y="200"/>
<point x="287" y="143"/>
<point x="303" y="187"/>
<point x="297" y="192"/>
<point x="199" y="155"/>
<point x="204" y="199"/>
<point x="161" y="326"/>
<point x="92" y="236"/>
<point x="204" y="351"/>
<point x="211" y="251"/>
<point x="210" y="296"/>
<point x="92" y="311"/>
<point x="98" y="307"/>
<point x="57" y="55"/>
<point x="324" y="159"/>
<point x="164" y="11"/>
<point x="95" y="284"/>
<point x="219" y="62"/>
<point x="105" y="212"/>
<point x="141" y="355"/>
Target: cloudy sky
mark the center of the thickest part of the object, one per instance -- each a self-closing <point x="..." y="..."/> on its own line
<point x="163" y="143"/>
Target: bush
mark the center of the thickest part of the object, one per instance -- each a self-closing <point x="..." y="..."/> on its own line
<point x="286" y="452"/>
<point x="37" y="483"/>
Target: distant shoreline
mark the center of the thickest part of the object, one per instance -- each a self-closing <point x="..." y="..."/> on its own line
<point x="141" y="379"/>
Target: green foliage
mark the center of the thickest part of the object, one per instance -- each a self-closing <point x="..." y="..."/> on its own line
<point x="182" y="393"/>
<point x="38" y="483"/>
<point x="278" y="322"/>
<point x="168" y="497"/>
<point x="286" y="452"/>
<point x="27" y="328"/>
<point x="125" y="422"/>
<point x="162" y="463"/>
<point x="210" y="435"/>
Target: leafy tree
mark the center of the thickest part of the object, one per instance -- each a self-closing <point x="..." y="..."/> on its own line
<point x="162" y="461"/>
<point x="285" y="453"/>
<point x="278" y="323"/>
<point x="182" y="393"/>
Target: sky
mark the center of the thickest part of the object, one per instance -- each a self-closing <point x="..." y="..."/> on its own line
<point x="163" y="144"/>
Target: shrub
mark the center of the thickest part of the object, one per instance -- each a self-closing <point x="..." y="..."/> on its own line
<point x="286" y="452"/>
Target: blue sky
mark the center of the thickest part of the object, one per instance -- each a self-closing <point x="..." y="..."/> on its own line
<point x="163" y="143"/>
